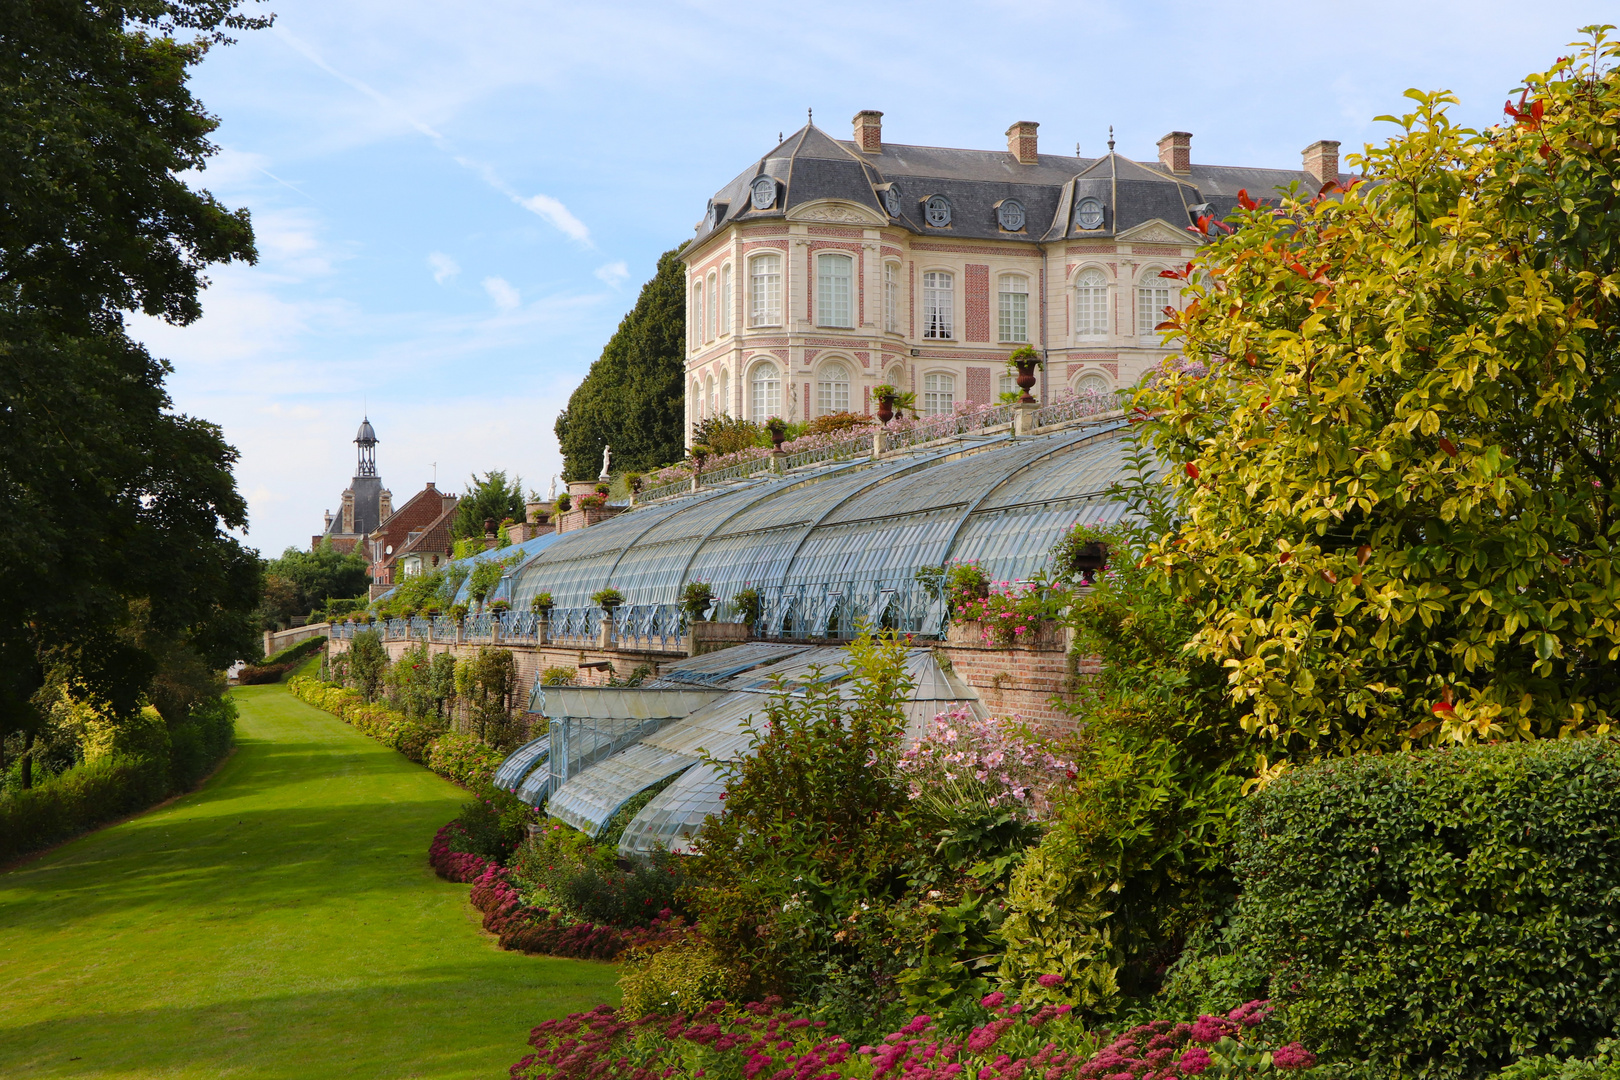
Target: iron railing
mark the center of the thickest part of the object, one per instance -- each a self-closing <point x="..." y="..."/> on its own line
<point x="1075" y="409"/>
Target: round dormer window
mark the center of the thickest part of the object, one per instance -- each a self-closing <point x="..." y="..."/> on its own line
<point x="1010" y="215"/>
<point x="764" y="193"/>
<point x="1088" y="213"/>
<point x="712" y="218"/>
<point x="891" y="200"/>
<point x="937" y="211"/>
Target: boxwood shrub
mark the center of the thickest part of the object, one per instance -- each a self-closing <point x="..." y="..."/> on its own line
<point x="1440" y="914"/>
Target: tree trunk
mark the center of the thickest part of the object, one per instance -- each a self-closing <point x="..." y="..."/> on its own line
<point x="28" y="762"/>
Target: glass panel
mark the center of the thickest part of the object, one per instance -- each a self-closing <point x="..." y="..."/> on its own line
<point x="832" y="290"/>
<point x="938" y="305"/>
<point x="765" y="290"/>
<point x="1014" y="308"/>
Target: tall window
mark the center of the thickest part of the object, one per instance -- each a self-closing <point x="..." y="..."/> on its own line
<point x="695" y="400"/>
<point x="1005" y="384"/>
<point x="714" y="310"/>
<point x="725" y="393"/>
<point x="1090" y="304"/>
<point x="766" y="387"/>
<point x="938" y="307"/>
<point x="697" y="314"/>
<point x="725" y="299"/>
<point x="710" y="401"/>
<point x="832" y="389"/>
<point x="765" y="291"/>
<point x="832" y="290"/>
<point x="939" y="394"/>
<point x="891" y="297"/>
<point x="1151" y="300"/>
<point x="1014" y="307"/>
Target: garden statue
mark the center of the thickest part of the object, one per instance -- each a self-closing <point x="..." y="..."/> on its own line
<point x="607" y="454"/>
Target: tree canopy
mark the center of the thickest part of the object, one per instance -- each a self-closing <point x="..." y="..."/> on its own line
<point x="299" y="581"/>
<point x="113" y="508"/>
<point x="486" y="499"/>
<point x="633" y="398"/>
<point x="1397" y="480"/>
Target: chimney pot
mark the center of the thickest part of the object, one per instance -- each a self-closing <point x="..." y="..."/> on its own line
<point x="1322" y="161"/>
<point x="1021" y="141"/>
<point x="869" y="131"/>
<point x="1175" y="151"/>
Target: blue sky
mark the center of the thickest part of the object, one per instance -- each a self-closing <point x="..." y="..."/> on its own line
<point x="457" y="202"/>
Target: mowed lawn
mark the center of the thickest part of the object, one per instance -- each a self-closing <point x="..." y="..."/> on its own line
<point x="280" y="922"/>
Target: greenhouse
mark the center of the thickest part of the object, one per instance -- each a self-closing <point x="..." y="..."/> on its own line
<point x="827" y="547"/>
<point x="834" y="542"/>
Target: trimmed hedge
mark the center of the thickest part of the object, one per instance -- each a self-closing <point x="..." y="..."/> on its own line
<point x="96" y="792"/>
<point x="272" y="668"/>
<point x="1440" y="914"/>
<point x="454" y="756"/>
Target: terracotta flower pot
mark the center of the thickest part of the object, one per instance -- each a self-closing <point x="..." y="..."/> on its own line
<point x="1026" y="381"/>
<point x="885" y="410"/>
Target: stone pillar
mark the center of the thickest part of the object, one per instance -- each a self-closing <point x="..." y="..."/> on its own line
<point x="604" y="633"/>
<point x="1024" y="418"/>
<point x="695" y="482"/>
<point x="267" y="643"/>
<point x="778" y="462"/>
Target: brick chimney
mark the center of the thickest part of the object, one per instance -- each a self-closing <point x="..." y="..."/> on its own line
<point x="1021" y="141"/>
<point x="348" y="511"/>
<point x="385" y="504"/>
<point x="1322" y="161"/>
<point x="1175" y="151"/>
<point x="869" y="131"/>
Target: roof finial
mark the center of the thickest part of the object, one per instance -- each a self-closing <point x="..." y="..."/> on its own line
<point x="779" y="138"/>
<point x="1076" y="149"/>
<point x="809" y="116"/>
<point x="1110" y="138"/>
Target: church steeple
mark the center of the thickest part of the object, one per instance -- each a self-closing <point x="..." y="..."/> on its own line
<point x="366" y="440"/>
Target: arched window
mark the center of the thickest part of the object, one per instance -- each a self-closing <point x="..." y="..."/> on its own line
<point x="832" y="389"/>
<point x="891" y="297"/>
<point x="937" y="211"/>
<point x="832" y="290"/>
<point x="697" y="314"/>
<point x="725" y="393"/>
<point x="939" y="394"/>
<point x="1014" y="307"/>
<point x="695" y="401"/>
<point x="709" y="400"/>
<point x="1006" y="384"/>
<point x="897" y="377"/>
<point x="1152" y="297"/>
<point x="725" y="299"/>
<point x="1093" y="382"/>
<point x="765" y="385"/>
<point x="938" y="304"/>
<point x="1090" y="303"/>
<point x="765" y="290"/>
<point x="714" y="310"/>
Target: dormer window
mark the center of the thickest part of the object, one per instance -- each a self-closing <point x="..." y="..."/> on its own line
<point x="711" y="220"/>
<point x="763" y="195"/>
<point x="1088" y="213"/>
<point x="1010" y="215"/>
<point x="937" y="211"/>
<point x="891" y="200"/>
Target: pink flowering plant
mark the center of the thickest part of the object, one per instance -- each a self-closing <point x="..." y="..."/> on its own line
<point x="1012" y="612"/>
<point x="965" y="764"/>
<point x="1005" y="1041"/>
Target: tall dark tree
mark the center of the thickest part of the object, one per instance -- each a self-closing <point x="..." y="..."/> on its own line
<point x="113" y="508"/>
<point x="299" y="581"/>
<point x="634" y="396"/>
<point x="486" y="499"/>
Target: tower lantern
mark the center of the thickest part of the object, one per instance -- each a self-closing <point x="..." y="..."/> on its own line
<point x="366" y="440"/>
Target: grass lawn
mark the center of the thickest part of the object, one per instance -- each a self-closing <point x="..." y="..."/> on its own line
<point x="281" y="922"/>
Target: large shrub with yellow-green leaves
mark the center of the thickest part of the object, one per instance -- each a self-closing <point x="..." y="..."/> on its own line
<point x="456" y="756"/>
<point x="1398" y="479"/>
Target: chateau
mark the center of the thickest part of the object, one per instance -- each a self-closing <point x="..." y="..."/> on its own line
<point x="830" y="266"/>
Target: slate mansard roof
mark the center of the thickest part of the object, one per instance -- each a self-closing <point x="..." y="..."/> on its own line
<point x="810" y="165"/>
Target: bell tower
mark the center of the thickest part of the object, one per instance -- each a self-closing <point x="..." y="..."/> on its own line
<point x="366" y="440"/>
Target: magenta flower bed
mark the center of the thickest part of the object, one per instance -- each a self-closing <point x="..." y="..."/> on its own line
<point x="761" y="1041"/>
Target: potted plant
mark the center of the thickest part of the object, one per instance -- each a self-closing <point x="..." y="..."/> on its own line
<point x="696" y="599"/>
<point x="498" y="606"/>
<point x="778" y="429"/>
<point x="699" y="454"/>
<point x="891" y="400"/>
<point x="458" y="612"/>
<point x="1025" y="360"/>
<point x="603" y="488"/>
<point x="542" y="603"/>
<point x="748" y="604"/>
<point x="607" y="599"/>
<point x="592" y="502"/>
<point x="635" y="482"/>
<point x="564" y="503"/>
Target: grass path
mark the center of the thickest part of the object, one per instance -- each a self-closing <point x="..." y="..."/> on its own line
<point x="280" y="923"/>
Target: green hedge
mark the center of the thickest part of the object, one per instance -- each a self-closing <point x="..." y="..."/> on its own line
<point x="455" y="756"/>
<point x="1440" y="914"/>
<point x="96" y="792"/>
<point x="273" y="667"/>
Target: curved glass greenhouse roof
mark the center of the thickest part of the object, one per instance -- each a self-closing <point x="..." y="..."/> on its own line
<point x="1001" y="502"/>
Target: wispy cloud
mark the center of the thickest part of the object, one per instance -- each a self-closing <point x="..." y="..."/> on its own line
<point x="506" y="298"/>
<point x="613" y="273"/>
<point x="444" y="267"/>
<point x="550" y="209"/>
